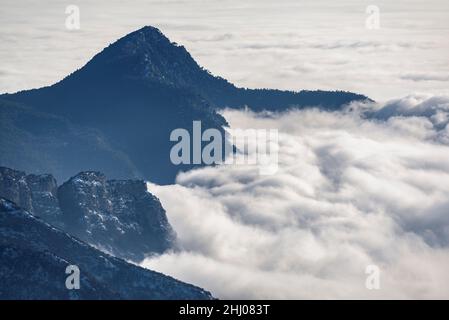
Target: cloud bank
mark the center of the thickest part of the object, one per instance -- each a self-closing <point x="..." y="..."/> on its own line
<point x="354" y="188"/>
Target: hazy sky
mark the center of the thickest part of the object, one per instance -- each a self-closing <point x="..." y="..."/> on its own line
<point x="264" y="43"/>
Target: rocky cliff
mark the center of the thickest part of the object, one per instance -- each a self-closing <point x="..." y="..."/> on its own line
<point x="119" y="216"/>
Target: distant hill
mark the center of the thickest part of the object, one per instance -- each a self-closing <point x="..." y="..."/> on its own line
<point x="116" y="113"/>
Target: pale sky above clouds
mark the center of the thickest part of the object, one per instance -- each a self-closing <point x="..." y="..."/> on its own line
<point x="288" y="44"/>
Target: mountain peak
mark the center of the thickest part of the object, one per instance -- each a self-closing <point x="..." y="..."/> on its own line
<point x="146" y="31"/>
<point x="144" y="38"/>
<point x="143" y="55"/>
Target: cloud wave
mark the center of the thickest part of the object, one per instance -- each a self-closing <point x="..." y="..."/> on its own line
<point x="353" y="189"/>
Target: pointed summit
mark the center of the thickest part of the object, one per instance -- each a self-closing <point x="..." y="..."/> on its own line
<point x="147" y="30"/>
<point x="145" y="40"/>
<point x="144" y="55"/>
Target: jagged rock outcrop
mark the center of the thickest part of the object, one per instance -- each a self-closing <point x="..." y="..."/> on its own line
<point x="119" y="216"/>
<point x="14" y="187"/>
<point x="35" y="193"/>
<point x="34" y="256"/>
<point x="44" y="192"/>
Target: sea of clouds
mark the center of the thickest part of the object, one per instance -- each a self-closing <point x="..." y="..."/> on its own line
<point x="365" y="186"/>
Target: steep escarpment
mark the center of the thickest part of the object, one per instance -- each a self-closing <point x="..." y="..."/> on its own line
<point x="35" y="193"/>
<point x="118" y="216"/>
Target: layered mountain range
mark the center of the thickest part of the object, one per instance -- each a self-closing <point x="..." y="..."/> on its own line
<point x="116" y="113"/>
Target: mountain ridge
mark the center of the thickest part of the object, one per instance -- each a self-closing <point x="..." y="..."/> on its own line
<point x="126" y="101"/>
<point x="35" y="255"/>
<point x="119" y="217"/>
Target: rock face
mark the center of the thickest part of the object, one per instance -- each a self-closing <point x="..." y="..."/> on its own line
<point x="34" y="256"/>
<point x="35" y="193"/>
<point x="44" y="192"/>
<point x="119" y="216"/>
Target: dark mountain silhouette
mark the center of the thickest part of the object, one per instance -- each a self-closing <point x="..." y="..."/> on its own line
<point x="119" y="217"/>
<point x="123" y="104"/>
<point x="34" y="256"/>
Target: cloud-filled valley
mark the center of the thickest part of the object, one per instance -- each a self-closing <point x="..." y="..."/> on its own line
<point x="365" y="186"/>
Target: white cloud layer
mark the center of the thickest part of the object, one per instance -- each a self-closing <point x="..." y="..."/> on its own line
<point x="353" y="189"/>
